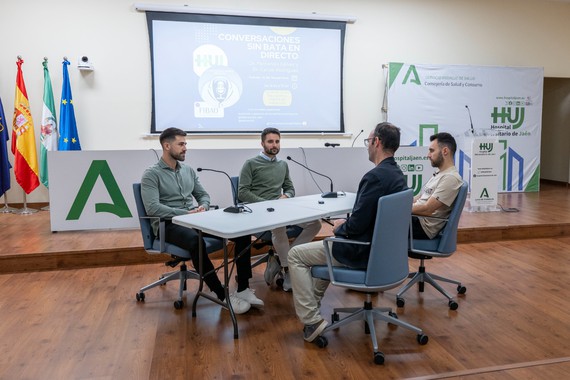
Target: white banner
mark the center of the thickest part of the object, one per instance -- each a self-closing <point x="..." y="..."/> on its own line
<point x="93" y="189"/>
<point x="468" y="101"/>
<point x="484" y="174"/>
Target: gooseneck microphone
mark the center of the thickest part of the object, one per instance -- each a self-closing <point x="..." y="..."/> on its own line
<point x="359" y="133"/>
<point x="327" y="144"/>
<point x="235" y="209"/>
<point x="471" y="120"/>
<point x="329" y="194"/>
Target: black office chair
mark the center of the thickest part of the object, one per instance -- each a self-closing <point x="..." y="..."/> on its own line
<point x="387" y="268"/>
<point x="154" y="245"/>
<point x="443" y="245"/>
<point x="263" y="239"/>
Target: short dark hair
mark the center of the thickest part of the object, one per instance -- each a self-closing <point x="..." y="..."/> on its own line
<point x="390" y="136"/>
<point x="169" y="134"/>
<point x="269" y="130"/>
<point x="445" y="139"/>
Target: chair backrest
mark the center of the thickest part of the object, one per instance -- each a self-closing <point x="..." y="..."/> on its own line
<point x="146" y="229"/>
<point x="448" y="235"/>
<point x="388" y="262"/>
<point x="235" y="186"/>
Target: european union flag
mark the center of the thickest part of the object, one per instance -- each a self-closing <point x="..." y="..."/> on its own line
<point x="68" y="137"/>
<point x="4" y="162"/>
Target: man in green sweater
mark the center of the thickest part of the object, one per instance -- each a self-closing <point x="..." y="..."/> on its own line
<point x="265" y="177"/>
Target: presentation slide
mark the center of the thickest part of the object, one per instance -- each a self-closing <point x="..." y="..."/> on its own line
<point x="213" y="77"/>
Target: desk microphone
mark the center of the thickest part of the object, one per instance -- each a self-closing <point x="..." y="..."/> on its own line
<point x="235" y="209"/>
<point x="329" y="194"/>
<point x="362" y="130"/>
<point x="471" y="120"/>
<point x="327" y="144"/>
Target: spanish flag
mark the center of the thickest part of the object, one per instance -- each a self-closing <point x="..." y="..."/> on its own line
<point x="23" y="137"/>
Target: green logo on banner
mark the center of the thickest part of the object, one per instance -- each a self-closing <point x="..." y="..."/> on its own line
<point x="394" y="69"/>
<point x="486" y="147"/>
<point x="416" y="78"/>
<point x="99" y="168"/>
<point x="505" y="116"/>
<point x="484" y="193"/>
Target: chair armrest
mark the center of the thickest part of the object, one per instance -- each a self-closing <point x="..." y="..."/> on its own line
<point x="328" y="252"/>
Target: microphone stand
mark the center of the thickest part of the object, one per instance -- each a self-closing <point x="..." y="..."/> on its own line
<point x="471" y="120"/>
<point x="353" y="141"/>
<point x="328" y="194"/>
<point x="235" y="209"/>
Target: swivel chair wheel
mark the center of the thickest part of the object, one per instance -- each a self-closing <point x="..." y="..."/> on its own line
<point x="461" y="289"/>
<point x="422" y="339"/>
<point x="453" y="305"/>
<point x="178" y="304"/>
<point x="321" y="341"/>
<point x="335" y="317"/>
<point x="400" y="302"/>
<point x="140" y="297"/>
<point x="378" y="358"/>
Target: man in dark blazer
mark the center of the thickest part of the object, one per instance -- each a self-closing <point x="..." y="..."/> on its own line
<point x="384" y="179"/>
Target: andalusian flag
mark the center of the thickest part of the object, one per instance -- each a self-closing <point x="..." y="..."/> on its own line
<point x="4" y="162"/>
<point x="48" y="135"/>
<point x="23" y="137"/>
<point x="68" y="137"/>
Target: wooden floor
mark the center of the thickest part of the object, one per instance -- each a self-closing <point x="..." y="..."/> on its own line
<point x="513" y="322"/>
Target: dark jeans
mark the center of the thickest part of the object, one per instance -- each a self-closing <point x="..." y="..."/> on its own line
<point x="187" y="238"/>
<point x="417" y="229"/>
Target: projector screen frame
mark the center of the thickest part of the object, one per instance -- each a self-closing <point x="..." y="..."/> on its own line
<point x="175" y="14"/>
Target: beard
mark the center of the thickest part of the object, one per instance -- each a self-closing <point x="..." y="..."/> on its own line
<point x="436" y="162"/>
<point x="178" y="157"/>
<point x="271" y="151"/>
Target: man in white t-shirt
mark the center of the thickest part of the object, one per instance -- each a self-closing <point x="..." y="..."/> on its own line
<point x="440" y="191"/>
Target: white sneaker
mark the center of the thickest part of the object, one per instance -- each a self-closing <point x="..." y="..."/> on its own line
<point x="248" y="296"/>
<point x="239" y="305"/>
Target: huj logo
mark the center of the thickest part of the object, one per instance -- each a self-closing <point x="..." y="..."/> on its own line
<point x="99" y="168"/>
<point x="416" y="184"/>
<point x="486" y="147"/>
<point x="505" y="116"/>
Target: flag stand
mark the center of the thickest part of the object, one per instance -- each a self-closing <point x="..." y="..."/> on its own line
<point x="7" y="209"/>
<point x="26" y="210"/>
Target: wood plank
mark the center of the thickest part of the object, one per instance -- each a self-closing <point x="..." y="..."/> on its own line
<point x="513" y="322"/>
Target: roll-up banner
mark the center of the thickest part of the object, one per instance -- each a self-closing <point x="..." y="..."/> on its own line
<point x="469" y="102"/>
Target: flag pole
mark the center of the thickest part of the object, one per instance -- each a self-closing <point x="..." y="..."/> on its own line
<point x="7" y="209"/>
<point x="26" y="210"/>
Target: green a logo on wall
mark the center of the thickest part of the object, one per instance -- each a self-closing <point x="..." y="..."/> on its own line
<point x="484" y="193"/>
<point x="99" y="168"/>
<point x="411" y="75"/>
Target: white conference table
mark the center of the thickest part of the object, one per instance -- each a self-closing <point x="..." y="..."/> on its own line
<point x="262" y="216"/>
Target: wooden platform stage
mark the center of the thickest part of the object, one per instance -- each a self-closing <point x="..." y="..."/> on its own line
<point x="29" y="245"/>
<point x="513" y="322"/>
